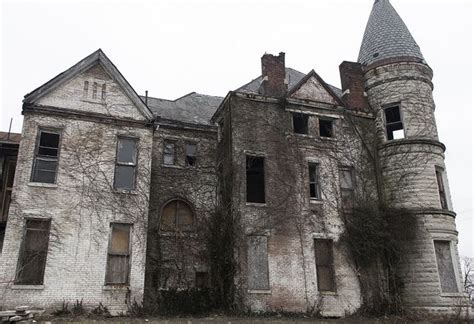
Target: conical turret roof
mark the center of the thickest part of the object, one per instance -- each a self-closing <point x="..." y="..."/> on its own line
<point x="387" y="37"/>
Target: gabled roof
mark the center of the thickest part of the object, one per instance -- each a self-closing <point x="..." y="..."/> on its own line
<point x="312" y="73"/>
<point x="83" y="65"/>
<point x="192" y="108"/>
<point x="387" y="37"/>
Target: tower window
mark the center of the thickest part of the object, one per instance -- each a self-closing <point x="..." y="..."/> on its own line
<point x="441" y="189"/>
<point x="300" y="123"/>
<point x="255" y="179"/>
<point x="446" y="272"/>
<point x="325" y="128"/>
<point x="393" y="123"/>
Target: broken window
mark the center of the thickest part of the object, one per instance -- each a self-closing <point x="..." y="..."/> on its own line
<point x="441" y="189"/>
<point x="191" y="154"/>
<point x="45" y="163"/>
<point x="86" y="89"/>
<point x="177" y="215"/>
<point x="257" y="263"/>
<point x="168" y="153"/>
<point x="393" y="123"/>
<point x="94" y="90"/>
<point x="255" y="179"/>
<point x="314" y="185"/>
<point x="446" y="272"/>
<point x="118" y="257"/>
<point x="126" y="163"/>
<point x="33" y="252"/>
<point x="346" y="180"/>
<point x="202" y="279"/>
<point x="324" y="265"/>
<point x="104" y="89"/>
<point x="300" y="123"/>
<point x="325" y="128"/>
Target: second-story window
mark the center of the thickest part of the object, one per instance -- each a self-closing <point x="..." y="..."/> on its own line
<point x="326" y="128"/>
<point x="255" y="179"/>
<point x="169" y="153"/>
<point x="191" y="150"/>
<point x="45" y="164"/>
<point x="126" y="164"/>
<point x="314" y="186"/>
<point x="300" y="123"/>
<point x="346" y="180"/>
<point x="393" y="123"/>
<point x="441" y="188"/>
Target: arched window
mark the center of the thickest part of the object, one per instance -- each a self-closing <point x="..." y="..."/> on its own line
<point x="177" y="215"/>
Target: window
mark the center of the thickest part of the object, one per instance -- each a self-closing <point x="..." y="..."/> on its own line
<point x="45" y="163"/>
<point x="220" y="130"/>
<point x="202" y="280"/>
<point x="191" y="154"/>
<point x="300" y="123"/>
<point x="126" y="164"/>
<point x="6" y="185"/>
<point x="118" y="257"/>
<point x="86" y="89"/>
<point x="33" y="252"/>
<point x="177" y="215"/>
<point x="94" y="91"/>
<point x="168" y="153"/>
<point x="104" y="88"/>
<point x="255" y="179"/>
<point x="393" y="123"/>
<point x="324" y="265"/>
<point x="257" y="263"/>
<point x="325" y="128"/>
<point x="346" y="181"/>
<point x="441" y="189"/>
<point x="444" y="261"/>
<point x="314" y="186"/>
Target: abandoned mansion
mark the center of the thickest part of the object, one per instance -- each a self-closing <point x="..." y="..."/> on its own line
<point x="262" y="196"/>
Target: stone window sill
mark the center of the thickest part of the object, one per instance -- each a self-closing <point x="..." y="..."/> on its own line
<point x="329" y="139"/>
<point x="128" y="192"/>
<point x="259" y="291"/>
<point x="252" y="204"/>
<point x="27" y="287"/>
<point x="115" y="287"/>
<point x="328" y="293"/>
<point x="42" y="185"/>
<point x="453" y="294"/>
<point x="316" y="201"/>
<point x="173" y="166"/>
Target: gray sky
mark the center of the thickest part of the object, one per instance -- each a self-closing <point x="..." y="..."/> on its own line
<point x="174" y="47"/>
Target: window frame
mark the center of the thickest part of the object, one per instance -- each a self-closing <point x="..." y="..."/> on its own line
<point x="332" y="127"/>
<point x="304" y="118"/>
<point x="439" y="173"/>
<point x="176" y="229"/>
<point x="386" y="124"/>
<point x="247" y="156"/>
<point x="109" y="253"/>
<point x="166" y="141"/>
<point x="331" y="266"/>
<point x="352" y="190"/>
<point x="36" y="155"/>
<point x="23" y="243"/>
<point x="186" y="154"/>
<point x="126" y="164"/>
<point x="453" y="264"/>
<point x="317" y="182"/>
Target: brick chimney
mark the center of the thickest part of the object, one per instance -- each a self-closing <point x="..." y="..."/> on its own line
<point x="352" y="84"/>
<point x="274" y="83"/>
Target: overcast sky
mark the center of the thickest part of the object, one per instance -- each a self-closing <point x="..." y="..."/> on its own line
<point x="171" y="48"/>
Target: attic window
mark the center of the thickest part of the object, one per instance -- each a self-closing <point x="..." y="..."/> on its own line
<point x="300" y="123"/>
<point x="94" y="91"/>
<point x="325" y="128"/>
<point x="104" y="89"/>
<point x="393" y="123"/>
<point x="86" y="89"/>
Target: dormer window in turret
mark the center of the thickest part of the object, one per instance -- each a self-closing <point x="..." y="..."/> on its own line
<point x="393" y="122"/>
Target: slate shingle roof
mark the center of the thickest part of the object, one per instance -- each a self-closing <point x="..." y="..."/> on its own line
<point x="386" y="36"/>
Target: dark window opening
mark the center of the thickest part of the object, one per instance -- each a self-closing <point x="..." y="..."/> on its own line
<point x="346" y="180"/>
<point x="255" y="179"/>
<point x="191" y="150"/>
<point x="441" y="189"/>
<point x="104" y="89"/>
<point x="325" y="128"/>
<point x="300" y="123"/>
<point x="177" y="215"/>
<point x="45" y="163"/>
<point x="444" y="262"/>
<point x="257" y="255"/>
<point x="324" y="265"/>
<point x="314" y="186"/>
<point x="126" y="163"/>
<point x="2" y="235"/>
<point x="86" y="89"/>
<point x="94" y="90"/>
<point x="7" y="176"/>
<point x="201" y="280"/>
<point x="168" y="153"/>
<point x="393" y="123"/>
<point x="33" y="252"/>
<point x="118" y="257"/>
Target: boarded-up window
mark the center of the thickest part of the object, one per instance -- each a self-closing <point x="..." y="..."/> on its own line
<point x="118" y="259"/>
<point x="45" y="163"/>
<point x="393" y="123"/>
<point x="324" y="265"/>
<point x="257" y="263"/>
<point x="33" y="252"/>
<point x="168" y="153"/>
<point x="346" y="180"/>
<point x="300" y="123"/>
<point x="255" y="179"/>
<point x="446" y="273"/>
<point x="314" y="185"/>
<point x="126" y="164"/>
<point x="441" y="188"/>
<point x="191" y="150"/>
<point x="177" y="216"/>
